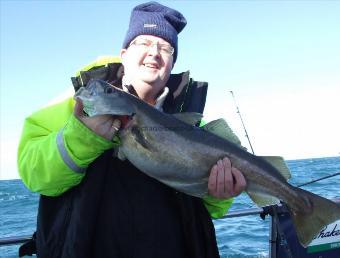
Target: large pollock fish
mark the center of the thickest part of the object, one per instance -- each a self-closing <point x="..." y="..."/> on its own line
<point x="172" y="150"/>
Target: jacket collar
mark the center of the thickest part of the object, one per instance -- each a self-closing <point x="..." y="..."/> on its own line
<point x="113" y="73"/>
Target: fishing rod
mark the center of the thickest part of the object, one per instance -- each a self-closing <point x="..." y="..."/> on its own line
<point x="319" y="179"/>
<point x="252" y="150"/>
<point x="244" y="127"/>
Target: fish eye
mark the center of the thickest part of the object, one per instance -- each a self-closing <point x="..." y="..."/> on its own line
<point x="108" y="90"/>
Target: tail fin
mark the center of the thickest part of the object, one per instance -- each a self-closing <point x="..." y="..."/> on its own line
<point x="308" y="225"/>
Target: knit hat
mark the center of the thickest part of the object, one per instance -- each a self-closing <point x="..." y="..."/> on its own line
<point x="158" y="20"/>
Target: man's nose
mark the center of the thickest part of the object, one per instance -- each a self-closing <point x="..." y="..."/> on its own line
<point x="154" y="50"/>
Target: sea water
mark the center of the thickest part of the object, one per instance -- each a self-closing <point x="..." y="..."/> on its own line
<point x="241" y="237"/>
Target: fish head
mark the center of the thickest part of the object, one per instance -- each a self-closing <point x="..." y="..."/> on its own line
<point x="102" y="98"/>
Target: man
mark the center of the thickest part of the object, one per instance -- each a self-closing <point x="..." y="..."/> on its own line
<point x="93" y="204"/>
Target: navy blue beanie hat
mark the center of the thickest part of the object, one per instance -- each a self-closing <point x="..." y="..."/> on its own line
<point x="158" y="20"/>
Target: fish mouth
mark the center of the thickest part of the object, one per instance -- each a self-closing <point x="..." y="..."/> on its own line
<point x="125" y="121"/>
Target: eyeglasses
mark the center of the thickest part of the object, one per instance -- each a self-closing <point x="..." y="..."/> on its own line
<point x="145" y="44"/>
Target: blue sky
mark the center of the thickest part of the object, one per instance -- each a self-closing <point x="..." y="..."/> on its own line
<point x="281" y="59"/>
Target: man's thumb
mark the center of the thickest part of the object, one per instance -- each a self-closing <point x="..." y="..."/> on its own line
<point x="78" y="108"/>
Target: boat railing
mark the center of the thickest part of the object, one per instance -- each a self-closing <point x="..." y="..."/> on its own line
<point x="13" y="240"/>
<point x="272" y="210"/>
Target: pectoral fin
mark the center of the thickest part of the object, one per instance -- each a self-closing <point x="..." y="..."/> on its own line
<point x="140" y="138"/>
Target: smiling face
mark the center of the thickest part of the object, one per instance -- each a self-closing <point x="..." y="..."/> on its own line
<point x="147" y="65"/>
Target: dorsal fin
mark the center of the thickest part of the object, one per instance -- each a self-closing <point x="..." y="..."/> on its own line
<point x="190" y="118"/>
<point x="221" y="128"/>
<point x="280" y="164"/>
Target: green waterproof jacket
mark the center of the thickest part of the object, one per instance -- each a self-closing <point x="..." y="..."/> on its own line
<point x="56" y="148"/>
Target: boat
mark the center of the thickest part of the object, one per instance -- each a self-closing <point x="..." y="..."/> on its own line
<point x="283" y="242"/>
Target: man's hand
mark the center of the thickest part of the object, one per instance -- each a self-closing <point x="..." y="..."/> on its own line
<point x="225" y="181"/>
<point x="105" y="126"/>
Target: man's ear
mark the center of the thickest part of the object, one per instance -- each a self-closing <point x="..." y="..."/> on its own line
<point x="122" y="55"/>
<point x="173" y="63"/>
